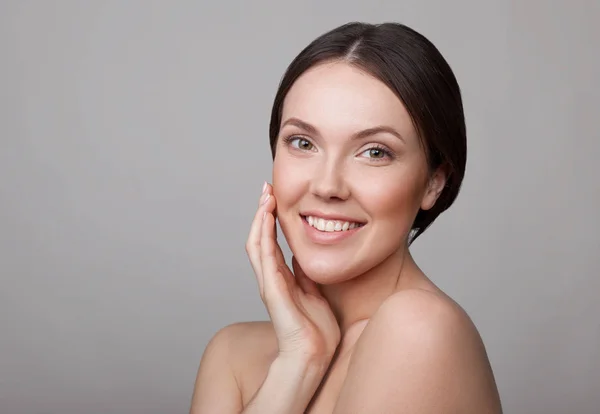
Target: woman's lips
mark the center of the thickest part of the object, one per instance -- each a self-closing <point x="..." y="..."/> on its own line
<point x="333" y="231"/>
<point x="329" y="225"/>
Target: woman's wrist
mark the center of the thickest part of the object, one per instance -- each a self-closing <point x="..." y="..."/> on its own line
<point x="305" y="367"/>
<point x="304" y="360"/>
<point x="289" y="386"/>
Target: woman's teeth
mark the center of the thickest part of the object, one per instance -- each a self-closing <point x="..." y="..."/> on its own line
<point x="330" y="225"/>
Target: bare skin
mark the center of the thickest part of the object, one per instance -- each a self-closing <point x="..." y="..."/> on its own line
<point x="356" y="326"/>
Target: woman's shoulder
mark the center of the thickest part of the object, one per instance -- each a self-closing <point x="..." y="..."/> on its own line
<point x="418" y="308"/>
<point x="251" y="347"/>
<point x="247" y="341"/>
<point x="232" y="364"/>
<point x="250" y="331"/>
<point x="423" y="340"/>
<point x="427" y="319"/>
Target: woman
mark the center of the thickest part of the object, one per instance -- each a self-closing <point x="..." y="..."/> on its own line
<point x="369" y="144"/>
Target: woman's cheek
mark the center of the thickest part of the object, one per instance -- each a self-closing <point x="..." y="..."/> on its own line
<point x="387" y="195"/>
<point x="279" y="175"/>
<point x="286" y="181"/>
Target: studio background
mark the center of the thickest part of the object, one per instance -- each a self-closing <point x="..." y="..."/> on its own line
<point x="133" y="148"/>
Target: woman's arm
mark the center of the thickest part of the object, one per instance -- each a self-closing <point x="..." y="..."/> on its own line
<point x="216" y="389"/>
<point x="288" y="388"/>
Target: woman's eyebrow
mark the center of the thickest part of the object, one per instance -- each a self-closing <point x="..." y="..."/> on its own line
<point x="365" y="133"/>
<point x="378" y="130"/>
<point x="301" y="124"/>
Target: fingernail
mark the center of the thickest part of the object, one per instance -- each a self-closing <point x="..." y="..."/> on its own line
<point x="264" y="187"/>
<point x="266" y="198"/>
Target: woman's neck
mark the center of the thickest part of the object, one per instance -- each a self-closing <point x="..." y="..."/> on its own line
<point x="356" y="300"/>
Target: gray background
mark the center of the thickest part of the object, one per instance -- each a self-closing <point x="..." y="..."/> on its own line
<point x="133" y="146"/>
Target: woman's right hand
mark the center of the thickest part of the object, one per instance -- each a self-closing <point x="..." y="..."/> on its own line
<point x="304" y="323"/>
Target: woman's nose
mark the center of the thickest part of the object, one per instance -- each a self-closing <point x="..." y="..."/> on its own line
<point x="329" y="182"/>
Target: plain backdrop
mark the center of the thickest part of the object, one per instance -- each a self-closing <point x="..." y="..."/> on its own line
<point x="133" y="148"/>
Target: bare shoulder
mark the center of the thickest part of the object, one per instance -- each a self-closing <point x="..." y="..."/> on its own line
<point x="252" y="349"/>
<point x="252" y="333"/>
<point x="250" y="339"/>
<point x="431" y="325"/>
<point x="422" y="312"/>
<point x="251" y="346"/>
<point x="420" y="351"/>
<point x="235" y="358"/>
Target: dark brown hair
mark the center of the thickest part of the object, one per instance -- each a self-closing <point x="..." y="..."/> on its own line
<point x="412" y="67"/>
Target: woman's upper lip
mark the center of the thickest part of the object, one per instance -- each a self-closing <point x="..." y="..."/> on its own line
<point x="331" y="216"/>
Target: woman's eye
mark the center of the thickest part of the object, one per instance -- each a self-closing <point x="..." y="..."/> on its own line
<point x="376" y="153"/>
<point x="302" y="143"/>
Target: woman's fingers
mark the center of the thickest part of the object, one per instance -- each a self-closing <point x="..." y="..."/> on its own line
<point x="264" y="252"/>
<point x="253" y="242"/>
<point x="276" y="275"/>
<point x="306" y="284"/>
<point x="280" y="256"/>
<point x="278" y="251"/>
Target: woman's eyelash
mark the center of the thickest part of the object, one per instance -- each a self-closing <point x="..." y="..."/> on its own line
<point x="291" y="138"/>
<point x="388" y="153"/>
<point x="299" y="138"/>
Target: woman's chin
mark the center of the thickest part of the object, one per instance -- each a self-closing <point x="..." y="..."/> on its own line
<point x="328" y="272"/>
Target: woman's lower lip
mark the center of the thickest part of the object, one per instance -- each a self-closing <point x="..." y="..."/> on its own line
<point x="327" y="237"/>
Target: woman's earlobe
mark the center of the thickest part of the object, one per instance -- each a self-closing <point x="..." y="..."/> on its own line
<point x="437" y="183"/>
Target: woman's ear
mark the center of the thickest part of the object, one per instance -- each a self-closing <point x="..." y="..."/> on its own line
<point x="435" y="186"/>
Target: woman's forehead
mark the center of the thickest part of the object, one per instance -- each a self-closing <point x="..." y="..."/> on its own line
<point x="339" y="95"/>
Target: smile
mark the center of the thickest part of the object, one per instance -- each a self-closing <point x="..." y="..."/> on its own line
<point x="330" y="226"/>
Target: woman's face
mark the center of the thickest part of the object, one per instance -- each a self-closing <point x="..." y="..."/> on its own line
<point x="349" y="174"/>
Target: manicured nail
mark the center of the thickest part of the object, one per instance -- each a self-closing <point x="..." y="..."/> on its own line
<point x="266" y="198"/>
<point x="264" y="187"/>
